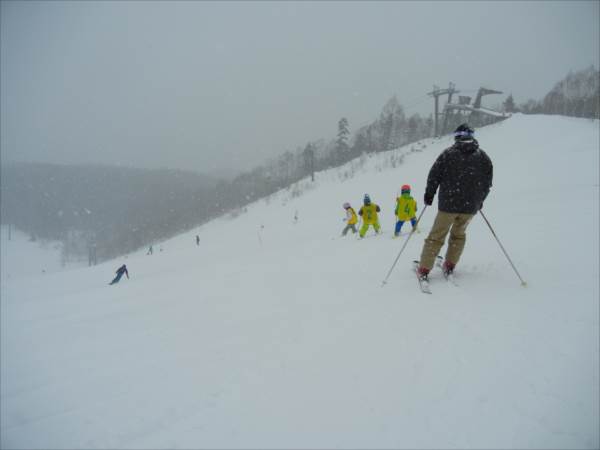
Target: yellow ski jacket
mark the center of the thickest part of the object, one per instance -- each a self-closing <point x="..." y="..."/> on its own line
<point x="369" y="213"/>
<point x="406" y="207"/>
<point x="351" y="215"/>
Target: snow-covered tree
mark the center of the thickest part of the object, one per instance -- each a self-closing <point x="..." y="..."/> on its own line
<point x="509" y="104"/>
<point x="341" y="144"/>
<point x="578" y="95"/>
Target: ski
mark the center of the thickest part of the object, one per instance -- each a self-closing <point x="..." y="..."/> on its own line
<point x="423" y="284"/>
<point x="439" y="262"/>
<point x="369" y="236"/>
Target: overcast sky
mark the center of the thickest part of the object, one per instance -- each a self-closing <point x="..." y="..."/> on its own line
<point x="212" y="85"/>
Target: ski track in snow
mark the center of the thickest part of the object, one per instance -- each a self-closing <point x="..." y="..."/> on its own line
<point x="275" y="334"/>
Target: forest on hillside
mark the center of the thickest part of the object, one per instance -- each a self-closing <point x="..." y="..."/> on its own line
<point x="106" y="210"/>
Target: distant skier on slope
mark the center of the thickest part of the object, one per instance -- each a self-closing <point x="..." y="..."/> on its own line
<point x="120" y="271"/>
<point x="351" y="219"/>
<point x="464" y="175"/>
<point x="406" y="209"/>
<point x="368" y="212"/>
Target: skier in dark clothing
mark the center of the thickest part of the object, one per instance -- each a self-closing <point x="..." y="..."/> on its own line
<point x="120" y="271"/>
<point x="464" y="175"/>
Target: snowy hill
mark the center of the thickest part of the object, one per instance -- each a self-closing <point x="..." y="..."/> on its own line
<point x="21" y="257"/>
<point x="277" y="333"/>
<point x="12" y="255"/>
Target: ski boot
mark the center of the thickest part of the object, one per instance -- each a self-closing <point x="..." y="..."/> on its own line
<point x="448" y="268"/>
<point x="423" y="273"/>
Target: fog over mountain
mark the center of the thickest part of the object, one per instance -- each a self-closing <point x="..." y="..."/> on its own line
<point x="223" y="86"/>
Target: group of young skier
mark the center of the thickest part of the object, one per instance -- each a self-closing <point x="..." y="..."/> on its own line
<point x="463" y="173"/>
<point x="406" y="209"/>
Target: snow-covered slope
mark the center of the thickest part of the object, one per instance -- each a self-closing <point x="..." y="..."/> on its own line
<point x="21" y="257"/>
<point x="277" y="333"/>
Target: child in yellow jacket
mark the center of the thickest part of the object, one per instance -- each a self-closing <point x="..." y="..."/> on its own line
<point x="406" y="209"/>
<point x="368" y="212"/>
<point x="350" y="219"/>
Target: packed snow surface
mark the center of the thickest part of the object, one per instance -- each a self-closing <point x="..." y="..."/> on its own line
<point x="276" y="332"/>
<point x="21" y="256"/>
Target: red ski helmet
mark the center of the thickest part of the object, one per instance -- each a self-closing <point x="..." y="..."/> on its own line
<point x="405" y="188"/>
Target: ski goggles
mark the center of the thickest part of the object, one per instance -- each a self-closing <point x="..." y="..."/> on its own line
<point x="464" y="133"/>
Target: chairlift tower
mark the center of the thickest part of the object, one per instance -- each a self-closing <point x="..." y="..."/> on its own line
<point x="475" y="110"/>
<point x="436" y="93"/>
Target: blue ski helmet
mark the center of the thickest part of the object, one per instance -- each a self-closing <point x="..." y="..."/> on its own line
<point x="367" y="199"/>
<point x="464" y="133"/>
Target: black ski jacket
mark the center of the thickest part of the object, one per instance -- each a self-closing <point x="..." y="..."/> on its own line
<point x="464" y="174"/>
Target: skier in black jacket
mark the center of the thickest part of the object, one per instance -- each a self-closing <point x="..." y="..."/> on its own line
<point x="463" y="174"/>
<point x="120" y="271"/>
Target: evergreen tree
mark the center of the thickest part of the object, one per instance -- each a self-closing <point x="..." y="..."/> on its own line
<point x="387" y="125"/>
<point x="360" y="145"/>
<point x="341" y="144"/>
<point x="509" y="104"/>
<point x="412" y="134"/>
<point x="309" y="160"/>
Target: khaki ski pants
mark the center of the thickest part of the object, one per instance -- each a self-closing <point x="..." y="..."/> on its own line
<point x="444" y="222"/>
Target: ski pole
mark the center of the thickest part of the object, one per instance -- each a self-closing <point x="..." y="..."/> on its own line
<point x="523" y="283"/>
<point x="403" y="247"/>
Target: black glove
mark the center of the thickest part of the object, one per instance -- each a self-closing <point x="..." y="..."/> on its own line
<point x="428" y="199"/>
